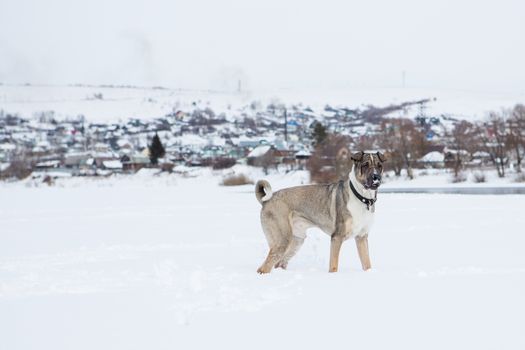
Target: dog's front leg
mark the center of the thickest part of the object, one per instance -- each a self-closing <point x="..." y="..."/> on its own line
<point x="362" y="249"/>
<point x="335" y="248"/>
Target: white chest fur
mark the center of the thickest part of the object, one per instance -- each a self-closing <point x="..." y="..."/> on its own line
<point x="362" y="218"/>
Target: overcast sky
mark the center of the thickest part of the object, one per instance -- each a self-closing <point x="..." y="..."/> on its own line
<point x="266" y="43"/>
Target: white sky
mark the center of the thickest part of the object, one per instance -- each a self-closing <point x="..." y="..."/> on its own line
<point x="268" y="43"/>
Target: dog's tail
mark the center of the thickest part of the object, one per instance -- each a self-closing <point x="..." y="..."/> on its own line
<point x="263" y="191"/>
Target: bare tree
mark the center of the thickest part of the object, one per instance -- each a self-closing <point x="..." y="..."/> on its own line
<point x="20" y="167"/>
<point x="366" y="142"/>
<point x="343" y="163"/>
<point x="267" y="160"/>
<point x="516" y="133"/>
<point x="403" y="142"/>
<point x="462" y="140"/>
<point x="493" y="134"/>
<point x="322" y="164"/>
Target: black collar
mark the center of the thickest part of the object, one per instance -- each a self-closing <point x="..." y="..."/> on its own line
<point x="367" y="201"/>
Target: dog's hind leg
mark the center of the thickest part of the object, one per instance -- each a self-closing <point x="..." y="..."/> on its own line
<point x="293" y="247"/>
<point x="274" y="255"/>
<point x="299" y="228"/>
<point x="279" y="235"/>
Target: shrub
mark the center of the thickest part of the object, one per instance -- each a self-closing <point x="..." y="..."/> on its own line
<point x="236" y="180"/>
<point x="48" y="180"/>
<point x="459" y="177"/>
<point x="520" y="178"/>
<point x="479" y="177"/>
<point x="18" y="169"/>
<point x="168" y="167"/>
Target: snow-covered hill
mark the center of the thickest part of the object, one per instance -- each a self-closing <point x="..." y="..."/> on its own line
<point x="108" y="104"/>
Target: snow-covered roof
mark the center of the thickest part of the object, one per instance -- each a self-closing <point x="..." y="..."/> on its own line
<point x="4" y="166"/>
<point x="112" y="164"/>
<point x="481" y="154"/>
<point x="43" y="144"/>
<point x="281" y="145"/>
<point x="138" y="159"/>
<point x="454" y="151"/>
<point x="7" y="146"/>
<point x="259" y="151"/>
<point x="124" y="143"/>
<point x="433" y="157"/>
<point x="303" y="153"/>
<point x="48" y="164"/>
<point x="192" y="140"/>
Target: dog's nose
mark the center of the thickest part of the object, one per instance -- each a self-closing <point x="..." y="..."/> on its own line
<point x="376" y="178"/>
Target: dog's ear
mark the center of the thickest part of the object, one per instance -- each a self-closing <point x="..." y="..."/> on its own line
<point x="358" y="156"/>
<point x="381" y="156"/>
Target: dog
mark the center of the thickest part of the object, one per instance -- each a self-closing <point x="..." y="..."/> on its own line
<point x="342" y="209"/>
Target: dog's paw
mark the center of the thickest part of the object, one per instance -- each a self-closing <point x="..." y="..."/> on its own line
<point x="262" y="270"/>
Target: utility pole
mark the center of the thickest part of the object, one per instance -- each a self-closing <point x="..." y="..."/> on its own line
<point x="285" y="125"/>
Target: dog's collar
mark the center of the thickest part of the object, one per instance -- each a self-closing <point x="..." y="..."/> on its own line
<point x="369" y="202"/>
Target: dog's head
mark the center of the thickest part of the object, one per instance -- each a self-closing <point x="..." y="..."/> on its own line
<point x="368" y="168"/>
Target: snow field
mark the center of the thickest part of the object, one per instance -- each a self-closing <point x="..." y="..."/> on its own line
<point x="171" y="264"/>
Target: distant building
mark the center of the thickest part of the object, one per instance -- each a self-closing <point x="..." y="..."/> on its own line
<point x="134" y="162"/>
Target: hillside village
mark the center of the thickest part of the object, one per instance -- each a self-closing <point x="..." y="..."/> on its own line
<point x="46" y="145"/>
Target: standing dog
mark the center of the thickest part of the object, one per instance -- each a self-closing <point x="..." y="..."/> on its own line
<point x="342" y="210"/>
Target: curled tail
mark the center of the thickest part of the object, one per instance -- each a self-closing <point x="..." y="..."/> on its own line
<point x="263" y="191"/>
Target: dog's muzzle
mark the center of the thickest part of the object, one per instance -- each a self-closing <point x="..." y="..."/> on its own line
<point x="374" y="181"/>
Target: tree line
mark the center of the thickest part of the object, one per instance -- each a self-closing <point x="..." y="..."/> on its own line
<point x="500" y="138"/>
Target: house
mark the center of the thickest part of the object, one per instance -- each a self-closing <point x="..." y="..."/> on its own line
<point x="247" y="142"/>
<point x="433" y="159"/>
<point x="451" y="156"/>
<point x="124" y="145"/>
<point x="76" y="160"/>
<point x="264" y="156"/>
<point x="102" y="147"/>
<point x="285" y="154"/>
<point x="212" y="151"/>
<point x="134" y="162"/>
<point x="302" y="157"/>
<point x="303" y="154"/>
<point x="48" y="164"/>
<point x="100" y="157"/>
<point x="112" y="165"/>
<point x="480" y="158"/>
<point x="6" y="151"/>
<point x="292" y="126"/>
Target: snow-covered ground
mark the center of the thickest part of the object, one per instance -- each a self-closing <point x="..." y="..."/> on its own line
<point x="169" y="263"/>
<point x="124" y="103"/>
